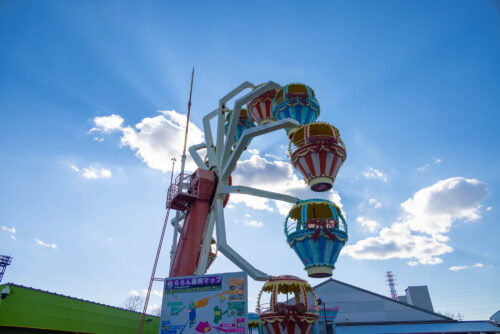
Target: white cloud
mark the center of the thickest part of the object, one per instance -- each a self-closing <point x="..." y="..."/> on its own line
<point x="96" y="173"/>
<point x="419" y="233"/>
<point x="41" y="243"/>
<point x="398" y="241"/>
<point x="373" y="202"/>
<point x="256" y="203"/>
<point x="424" y="168"/>
<point x="144" y="292"/>
<point x="431" y="260"/>
<point x="370" y="224"/>
<point x="412" y="263"/>
<point x="134" y="293"/>
<point x="99" y="140"/>
<point x="107" y="124"/>
<point x="254" y="223"/>
<point x="276" y="176"/>
<point x="155" y="140"/>
<point x="9" y="229"/>
<point x="457" y="268"/>
<point x="273" y="156"/>
<point x="434" y="209"/>
<point x="489" y="208"/>
<point x="153" y="292"/>
<point x="92" y="172"/>
<point x="373" y="173"/>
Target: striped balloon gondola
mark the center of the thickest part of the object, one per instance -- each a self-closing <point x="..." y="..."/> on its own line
<point x="316" y="230"/>
<point x="260" y="110"/>
<point x="298" y="102"/>
<point x="296" y="316"/>
<point x="243" y="124"/>
<point x="317" y="152"/>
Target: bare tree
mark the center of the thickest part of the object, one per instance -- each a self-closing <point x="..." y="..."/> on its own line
<point x="452" y="315"/>
<point x="156" y="311"/>
<point x="133" y="303"/>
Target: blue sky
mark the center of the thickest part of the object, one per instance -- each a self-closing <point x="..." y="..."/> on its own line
<point x="412" y="87"/>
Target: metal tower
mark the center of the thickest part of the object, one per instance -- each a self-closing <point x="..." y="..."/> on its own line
<point x="4" y="262"/>
<point x="392" y="285"/>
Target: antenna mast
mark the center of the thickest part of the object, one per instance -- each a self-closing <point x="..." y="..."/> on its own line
<point x="181" y="178"/>
<point x="392" y="285"/>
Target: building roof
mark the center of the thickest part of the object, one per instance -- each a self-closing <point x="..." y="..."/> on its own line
<point x="29" y="308"/>
<point x="70" y="297"/>
<point x="430" y="316"/>
<point x="415" y="328"/>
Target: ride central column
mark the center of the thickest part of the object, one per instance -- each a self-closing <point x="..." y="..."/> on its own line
<point x="196" y="203"/>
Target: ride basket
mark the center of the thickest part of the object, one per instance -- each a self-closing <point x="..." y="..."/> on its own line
<point x="316" y="230"/>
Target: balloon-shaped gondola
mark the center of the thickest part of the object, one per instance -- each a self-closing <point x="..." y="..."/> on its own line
<point x="298" y="102"/>
<point x="260" y="110"/>
<point x="253" y="322"/>
<point x="243" y="124"/>
<point x="316" y="230"/>
<point x="297" y="315"/>
<point x="317" y="152"/>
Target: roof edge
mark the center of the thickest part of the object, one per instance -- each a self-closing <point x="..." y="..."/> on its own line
<point x="383" y="323"/>
<point x="74" y="298"/>
<point x="392" y="300"/>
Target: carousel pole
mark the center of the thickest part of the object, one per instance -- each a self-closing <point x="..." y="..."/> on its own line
<point x="183" y="164"/>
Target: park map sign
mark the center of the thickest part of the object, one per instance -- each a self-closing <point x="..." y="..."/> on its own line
<point x="201" y="304"/>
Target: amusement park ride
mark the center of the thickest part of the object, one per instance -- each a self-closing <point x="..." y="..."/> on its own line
<point x="315" y="228"/>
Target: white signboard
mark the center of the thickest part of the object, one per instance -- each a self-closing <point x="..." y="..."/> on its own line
<point x="215" y="303"/>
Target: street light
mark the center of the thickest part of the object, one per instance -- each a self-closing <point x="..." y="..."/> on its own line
<point x="320" y="302"/>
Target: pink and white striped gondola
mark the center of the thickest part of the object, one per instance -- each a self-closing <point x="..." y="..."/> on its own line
<point x="260" y="109"/>
<point x="317" y="152"/>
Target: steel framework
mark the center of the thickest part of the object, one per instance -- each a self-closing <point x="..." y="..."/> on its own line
<point x="5" y="261"/>
<point x="222" y="161"/>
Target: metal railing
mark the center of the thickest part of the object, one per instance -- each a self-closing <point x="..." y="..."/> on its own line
<point x="181" y="184"/>
<point x="330" y="223"/>
<point x="313" y="140"/>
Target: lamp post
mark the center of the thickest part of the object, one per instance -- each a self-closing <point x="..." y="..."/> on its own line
<point x="320" y="302"/>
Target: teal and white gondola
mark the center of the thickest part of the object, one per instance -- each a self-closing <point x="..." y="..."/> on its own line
<point x="316" y="230"/>
<point x="298" y="102"/>
<point x="243" y="123"/>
